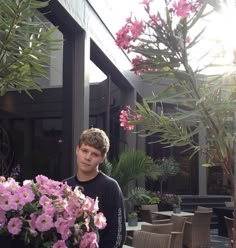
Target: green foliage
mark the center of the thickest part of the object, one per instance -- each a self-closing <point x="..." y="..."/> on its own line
<point x="133" y="165"/>
<point x="138" y="195"/>
<point x="151" y="199"/>
<point x="133" y="215"/>
<point x="106" y="167"/>
<point x="167" y="167"/>
<point x="25" y="45"/>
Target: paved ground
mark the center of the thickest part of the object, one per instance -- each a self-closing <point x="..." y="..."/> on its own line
<point x="218" y="241"/>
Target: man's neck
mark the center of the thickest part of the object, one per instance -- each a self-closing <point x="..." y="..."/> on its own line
<point x="83" y="177"/>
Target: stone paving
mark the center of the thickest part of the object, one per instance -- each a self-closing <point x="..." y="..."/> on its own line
<point x="218" y="241"/>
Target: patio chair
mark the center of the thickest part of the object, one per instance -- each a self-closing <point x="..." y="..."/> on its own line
<point x="146" y="213"/>
<point x="197" y="232"/>
<point x="147" y="216"/>
<point x="229" y="225"/>
<point x="156" y="228"/>
<point x="201" y="208"/>
<point x="174" y="226"/>
<point x="151" y="240"/>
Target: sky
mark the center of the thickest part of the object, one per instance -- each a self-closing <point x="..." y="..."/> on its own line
<point x="218" y="38"/>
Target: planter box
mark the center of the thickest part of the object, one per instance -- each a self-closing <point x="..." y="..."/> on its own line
<point x="133" y="221"/>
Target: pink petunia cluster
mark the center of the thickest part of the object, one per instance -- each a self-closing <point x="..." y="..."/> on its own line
<point x="126" y="116"/>
<point x="48" y="211"/>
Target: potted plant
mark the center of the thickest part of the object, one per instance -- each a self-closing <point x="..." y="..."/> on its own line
<point x="133" y="219"/>
<point x="151" y="202"/>
<point x="135" y="196"/>
<point x="167" y="167"/>
<point x="177" y="206"/>
<point x="167" y="201"/>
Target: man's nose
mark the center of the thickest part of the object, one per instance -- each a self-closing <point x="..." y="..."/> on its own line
<point x="88" y="156"/>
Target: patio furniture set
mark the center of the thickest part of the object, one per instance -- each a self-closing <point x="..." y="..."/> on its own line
<point x="167" y="229"/>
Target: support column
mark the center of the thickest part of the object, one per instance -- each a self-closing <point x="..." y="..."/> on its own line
<point x="76" y="56"/>
<point x="202" y="171"/>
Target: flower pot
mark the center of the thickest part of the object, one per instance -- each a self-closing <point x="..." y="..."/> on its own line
<point x="177" y="210"/>
<point x="151" y="207"/>
<point x="132" y="221"/>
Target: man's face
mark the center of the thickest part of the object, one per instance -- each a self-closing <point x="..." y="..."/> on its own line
<point x="88" y="159"/>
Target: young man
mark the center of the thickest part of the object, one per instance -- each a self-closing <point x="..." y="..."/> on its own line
<point x="90" y="152"/>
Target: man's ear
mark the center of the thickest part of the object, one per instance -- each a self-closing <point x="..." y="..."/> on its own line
<point x="103" y="159"/>
<point x="77" y="150"/>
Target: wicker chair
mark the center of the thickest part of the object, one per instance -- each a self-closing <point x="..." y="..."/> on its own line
<point x="174" y="226"/>
<point x="156" y="228"/>
<point x="197" y="232"/>
<point x="201" y="208"/>
<point x="151" y="240"/>
<point x="229" y="224"/>
<point x="147" y="215"/>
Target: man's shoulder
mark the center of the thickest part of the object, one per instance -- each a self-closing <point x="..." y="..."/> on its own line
<point x="109" y="181"/>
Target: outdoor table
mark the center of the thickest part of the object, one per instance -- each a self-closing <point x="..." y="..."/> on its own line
<point x="136" y="228"/>
<point x="169" y="213"/>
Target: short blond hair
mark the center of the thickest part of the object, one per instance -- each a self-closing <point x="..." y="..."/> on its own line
<point x="95" y="138"/>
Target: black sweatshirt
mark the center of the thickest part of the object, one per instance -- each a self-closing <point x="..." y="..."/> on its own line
<point x="110" y="204"/>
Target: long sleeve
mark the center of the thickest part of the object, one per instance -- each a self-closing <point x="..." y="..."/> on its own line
<point x="113" y="236"/>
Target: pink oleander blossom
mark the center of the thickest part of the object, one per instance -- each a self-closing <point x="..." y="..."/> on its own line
<point x="126" y="116"/>
<point x="159" y="37"/>
<point x="49" y="213"/>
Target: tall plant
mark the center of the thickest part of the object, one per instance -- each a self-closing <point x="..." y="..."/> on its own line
<point x="168" y="167"/>
<point x="130" y="166"/>
<point x="163" y="43"/>
<point x="25" y="45"/>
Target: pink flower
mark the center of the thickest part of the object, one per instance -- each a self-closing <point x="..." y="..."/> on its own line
<point x="60" y="244"/>
<point x="26" y="194"/>
<point x="44" y="222"/>
<point x="100" y="221"/>
<point x="126" y="116"/>
<point x="123" y="39"/>
<point x="88" y="204"/>
<point x="182" y="8"/>
<point x="14" y="225"/>
<point x="136" y="28"/>
<point x="63" y="227"/>
<point x="89" y="240"/>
